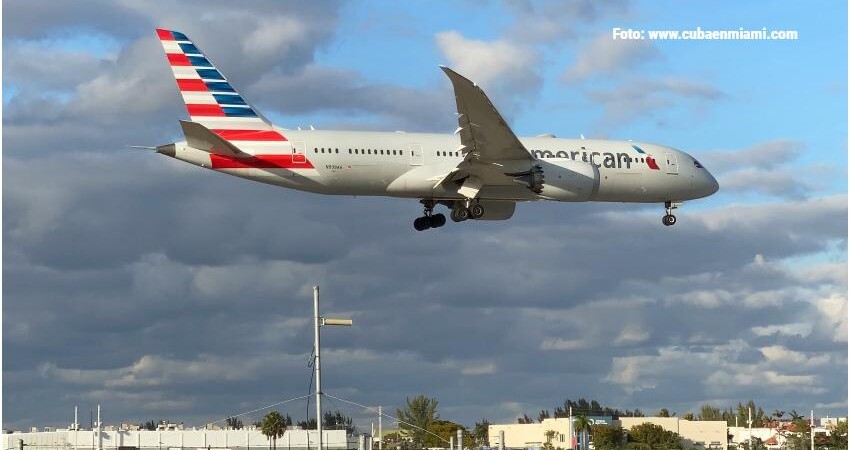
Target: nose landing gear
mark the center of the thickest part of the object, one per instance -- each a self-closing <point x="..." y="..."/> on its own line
<point x="669" y="219"/>
<point x="429" y="219"/>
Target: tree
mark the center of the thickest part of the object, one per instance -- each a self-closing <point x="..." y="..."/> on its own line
<point x="608" y="437"/>
<point x="688" y="416"/>
<point x="481" y="433"/>
<point x="150" y="425"/>
<point x="234" y="423"/>
<point x="543" y="414"/>
<point x="273" y="427"/>
<point x="838" y="436"/>
<point x="663" y="413"/>
<point x="394" y="440"/>
<point x="549" y="434"/>
<point x="442" y="431"/>
<point x="524" y="419"/>
<point x="708" y="412"/>
<point x="309" y="424"/>
<point x="417" y="418"/>
<point x="757" y="444"/>
<point x="648" y="436"/>
<point x="581" y="424"/>
<point x="337" y="421"/>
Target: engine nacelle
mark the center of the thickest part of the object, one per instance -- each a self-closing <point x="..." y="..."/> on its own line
<point x="564" y="180"/>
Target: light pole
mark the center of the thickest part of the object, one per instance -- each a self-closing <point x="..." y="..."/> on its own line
<point x="320" y="322"/>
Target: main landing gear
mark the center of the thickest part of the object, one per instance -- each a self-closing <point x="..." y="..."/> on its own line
<point x="669" y="219"/>
<point x="429" y="219"/>
<point x="461" y="210"/>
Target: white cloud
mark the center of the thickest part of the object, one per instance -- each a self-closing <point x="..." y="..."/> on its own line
<point x="486" y="368"/>
<point x="562" y="344"/>
<point x="508" y="72"/>
<point x="779" y="355"/>
<point x="486" y="62"/>
<point x="791" y="329"/>
<point x="833" y="316"/>
<point x="273" y="36"/>
<point x="604" y="56"/>
<point x="631" y="334"/>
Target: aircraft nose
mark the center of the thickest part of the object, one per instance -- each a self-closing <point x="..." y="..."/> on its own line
<point x="711" y="184"/>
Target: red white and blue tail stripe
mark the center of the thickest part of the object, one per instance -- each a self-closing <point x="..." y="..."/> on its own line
<point x="209" y="97"/>
<point x="212" y="102"/>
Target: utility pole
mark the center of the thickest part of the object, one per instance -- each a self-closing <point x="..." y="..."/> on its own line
<point x="317" y="342"/>
<point x="750" y="423"/>
<point x="316" y="365"/>
<point x="380" y="429"/>
<point x="812" y="429"/>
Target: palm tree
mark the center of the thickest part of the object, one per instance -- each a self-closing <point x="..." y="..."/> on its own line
<point x="273" y="427"/>
<point x="581" y="424"/>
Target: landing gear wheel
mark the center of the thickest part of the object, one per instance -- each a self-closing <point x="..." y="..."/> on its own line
<point x="460" y="214"/>
<point x="422" y="223"/>
<point x="476" y="211"/>
<point x="437" y="220"/>
<point x="669" y="219"/>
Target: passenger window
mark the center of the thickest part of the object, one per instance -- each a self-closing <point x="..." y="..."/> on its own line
<point x="336" y="150"/>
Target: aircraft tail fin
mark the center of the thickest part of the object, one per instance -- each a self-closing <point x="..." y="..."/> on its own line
<point x="209" y="98"/>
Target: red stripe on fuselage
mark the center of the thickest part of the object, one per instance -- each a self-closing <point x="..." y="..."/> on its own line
<point x="191" y="85"/>
<point x="260" y="162"/>
<point x="250" y="135"/>
<point x="178" y="59"/>
<point x="164" y="35"/>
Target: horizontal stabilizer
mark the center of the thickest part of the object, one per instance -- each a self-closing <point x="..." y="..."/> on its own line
<point x="201" y="138"/>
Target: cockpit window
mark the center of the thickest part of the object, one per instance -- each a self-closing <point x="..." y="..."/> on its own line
<point x="697" y="164"/>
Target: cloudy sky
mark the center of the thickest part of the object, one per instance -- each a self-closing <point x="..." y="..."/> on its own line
<point x="161" y="290"/>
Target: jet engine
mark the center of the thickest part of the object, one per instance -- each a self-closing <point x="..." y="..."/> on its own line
<point x="565" y="180"/>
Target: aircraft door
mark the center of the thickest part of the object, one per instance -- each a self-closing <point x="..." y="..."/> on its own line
<point x="299" y="152"/>
<point x="415" y="154"/>
<point x="672" y="164"/>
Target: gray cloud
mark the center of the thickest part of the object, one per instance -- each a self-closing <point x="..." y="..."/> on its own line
<point x="767" y="168"/>
<point x="645" y="99"/>
<point x="553" y="21"/>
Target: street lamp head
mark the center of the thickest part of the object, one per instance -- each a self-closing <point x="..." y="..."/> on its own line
<point x="337" y="322"/>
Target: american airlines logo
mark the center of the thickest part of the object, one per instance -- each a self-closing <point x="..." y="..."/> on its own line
<point x="608" y="160"/>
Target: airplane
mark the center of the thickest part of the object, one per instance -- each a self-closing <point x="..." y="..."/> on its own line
<point x="479" y="172"/>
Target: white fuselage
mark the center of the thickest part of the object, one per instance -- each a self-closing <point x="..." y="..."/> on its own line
<point x="412" y="165"/>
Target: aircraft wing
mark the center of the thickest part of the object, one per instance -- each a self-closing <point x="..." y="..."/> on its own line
<point x="483" y="132"/>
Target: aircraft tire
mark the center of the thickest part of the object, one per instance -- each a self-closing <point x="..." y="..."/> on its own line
<point x="476" y="211"/>
<point x="668" y="220"/>
<point x="460" y="214"/>
<point x="437" y="220"/>
<point x="422" y="223"/>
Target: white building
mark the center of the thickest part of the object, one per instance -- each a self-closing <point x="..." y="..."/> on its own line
<point x="695" y="434"/>
<point x="175" y="439"/>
